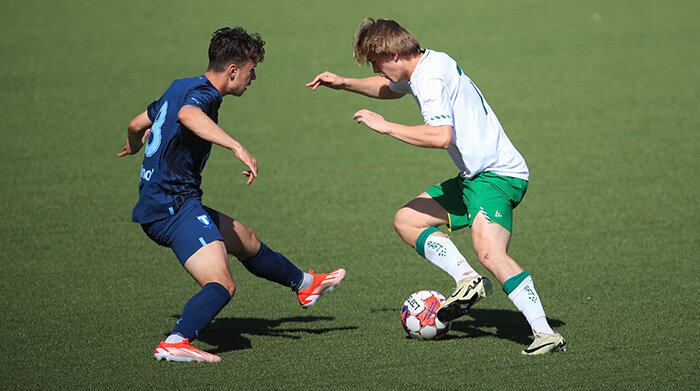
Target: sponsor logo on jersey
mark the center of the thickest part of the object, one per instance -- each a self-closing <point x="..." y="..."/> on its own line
<point x="146" y="174"/>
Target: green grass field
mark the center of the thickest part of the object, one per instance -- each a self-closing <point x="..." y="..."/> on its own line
<point x="601" y="97"/>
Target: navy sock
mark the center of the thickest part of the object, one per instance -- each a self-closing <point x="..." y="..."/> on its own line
<point x="275" y="267"/>
<point x="201" y="309"/>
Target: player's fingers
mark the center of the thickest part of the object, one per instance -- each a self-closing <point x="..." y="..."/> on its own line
<point x="250" y="176"/>
<point x="254" y="166"/>
<point x="359" y="114"/>
<point x="145" y="135"/>
<point x="124" y="152"/>
<point x="315" y="82"/>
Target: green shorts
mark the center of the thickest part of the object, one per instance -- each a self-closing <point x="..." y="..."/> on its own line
<point x="494" y="195"/>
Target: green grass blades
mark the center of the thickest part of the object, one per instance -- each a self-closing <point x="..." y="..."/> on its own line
<point x="600" y="97"/>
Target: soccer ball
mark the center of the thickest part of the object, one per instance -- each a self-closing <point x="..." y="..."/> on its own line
<point x="419" y="316"/>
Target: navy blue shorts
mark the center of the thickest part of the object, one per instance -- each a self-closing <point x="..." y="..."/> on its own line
<point x="192" y="227"/>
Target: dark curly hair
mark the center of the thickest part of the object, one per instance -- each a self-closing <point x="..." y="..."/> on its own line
<point x="234" y="45"/>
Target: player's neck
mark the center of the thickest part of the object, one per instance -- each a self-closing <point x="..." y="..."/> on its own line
<point x="217" y="79"/>
<point x="412" y="63"/>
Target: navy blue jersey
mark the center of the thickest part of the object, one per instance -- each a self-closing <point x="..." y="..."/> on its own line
<point x="174" y="156"/>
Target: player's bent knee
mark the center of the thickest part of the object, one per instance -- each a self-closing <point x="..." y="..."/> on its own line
<point x="491" y="258"/>
<point x="248" y="236"/>
<point x="230" y="287"/>
<point x="232" y="290"/>
<point x="403" y="226"/>
<point x="404" y="220"/>
<point x="484" y="257"/>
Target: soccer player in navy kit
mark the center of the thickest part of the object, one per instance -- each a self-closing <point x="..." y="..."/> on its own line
<point x="178" y="130"/>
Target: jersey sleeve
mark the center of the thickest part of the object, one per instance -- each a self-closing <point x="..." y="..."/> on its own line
<point x="435" y="103"/>
<point x="202" y="97"/>
<point x="152" y="110"/>
<point x="401" y="87"/>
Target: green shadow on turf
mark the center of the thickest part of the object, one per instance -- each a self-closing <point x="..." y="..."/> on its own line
<point x="226" y="334"/>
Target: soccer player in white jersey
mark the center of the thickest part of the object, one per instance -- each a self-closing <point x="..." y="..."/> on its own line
<point x="492" y="180"/>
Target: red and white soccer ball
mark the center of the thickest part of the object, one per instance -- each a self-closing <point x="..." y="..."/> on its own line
<point x="419" y="315"/>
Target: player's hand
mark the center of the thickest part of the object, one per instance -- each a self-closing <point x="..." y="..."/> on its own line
<point x="373" y="120"/>
<point x="327" y="79"/>
<point x="244" y="156"/>
<point x="133" y="149"/>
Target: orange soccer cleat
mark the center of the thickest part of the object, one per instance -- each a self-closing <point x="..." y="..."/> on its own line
<point x="183" y="351"/>
<point x="322" y="283"/>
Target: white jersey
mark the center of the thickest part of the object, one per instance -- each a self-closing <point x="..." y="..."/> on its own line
<point x="446" y="96"/>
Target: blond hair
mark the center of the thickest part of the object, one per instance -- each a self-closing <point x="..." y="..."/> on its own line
<point x="383" y="36"/>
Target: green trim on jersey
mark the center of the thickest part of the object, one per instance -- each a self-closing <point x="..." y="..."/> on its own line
<point x="493" y="195"/>
<point x="513" y="282"/>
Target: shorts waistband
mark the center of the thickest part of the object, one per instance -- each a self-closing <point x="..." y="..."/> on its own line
<point x="176" y="205"/>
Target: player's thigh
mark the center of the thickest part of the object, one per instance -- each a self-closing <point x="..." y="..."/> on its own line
<point x="190" y="229"/>
<point x="448" y="195"/>
<point x="495" y="197"/>
<point x="240" y="240"/>
<point x="422" y="211"/>
<point x="210" y="264"/>
<point x="488" y="237"/>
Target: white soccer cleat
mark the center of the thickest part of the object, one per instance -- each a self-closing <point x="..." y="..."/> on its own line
<point x="546" y="343"/>
<point x="468" y="292"/>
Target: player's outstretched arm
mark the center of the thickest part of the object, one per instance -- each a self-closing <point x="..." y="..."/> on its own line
<point x="426" y="136"/>
<point x="137" y="134"/>
<point x="374" y="87"/>
<point x="204" y="127"/>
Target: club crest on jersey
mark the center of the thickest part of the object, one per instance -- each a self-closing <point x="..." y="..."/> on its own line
<point x="204" y="219"/>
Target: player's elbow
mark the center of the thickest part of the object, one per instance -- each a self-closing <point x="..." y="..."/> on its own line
<point x="385" y="92"/>
<point x="444" y="137"/>
<point x="137" y="126"/>
<point x="133" y="127"/>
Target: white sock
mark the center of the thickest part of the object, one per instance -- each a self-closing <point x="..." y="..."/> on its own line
<point x="174" y="338"/>
<point x="306" y="282"/>
<point x="444" y="254"/>
<point x="527" y="300"/>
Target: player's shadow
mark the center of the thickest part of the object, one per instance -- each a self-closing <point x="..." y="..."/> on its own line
<point x="510" y="325"/>
<point x="227" y="334"/>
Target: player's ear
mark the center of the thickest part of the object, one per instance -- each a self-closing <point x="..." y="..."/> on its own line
<point x="231" y="70"/>
<point x="395" y="57"/>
